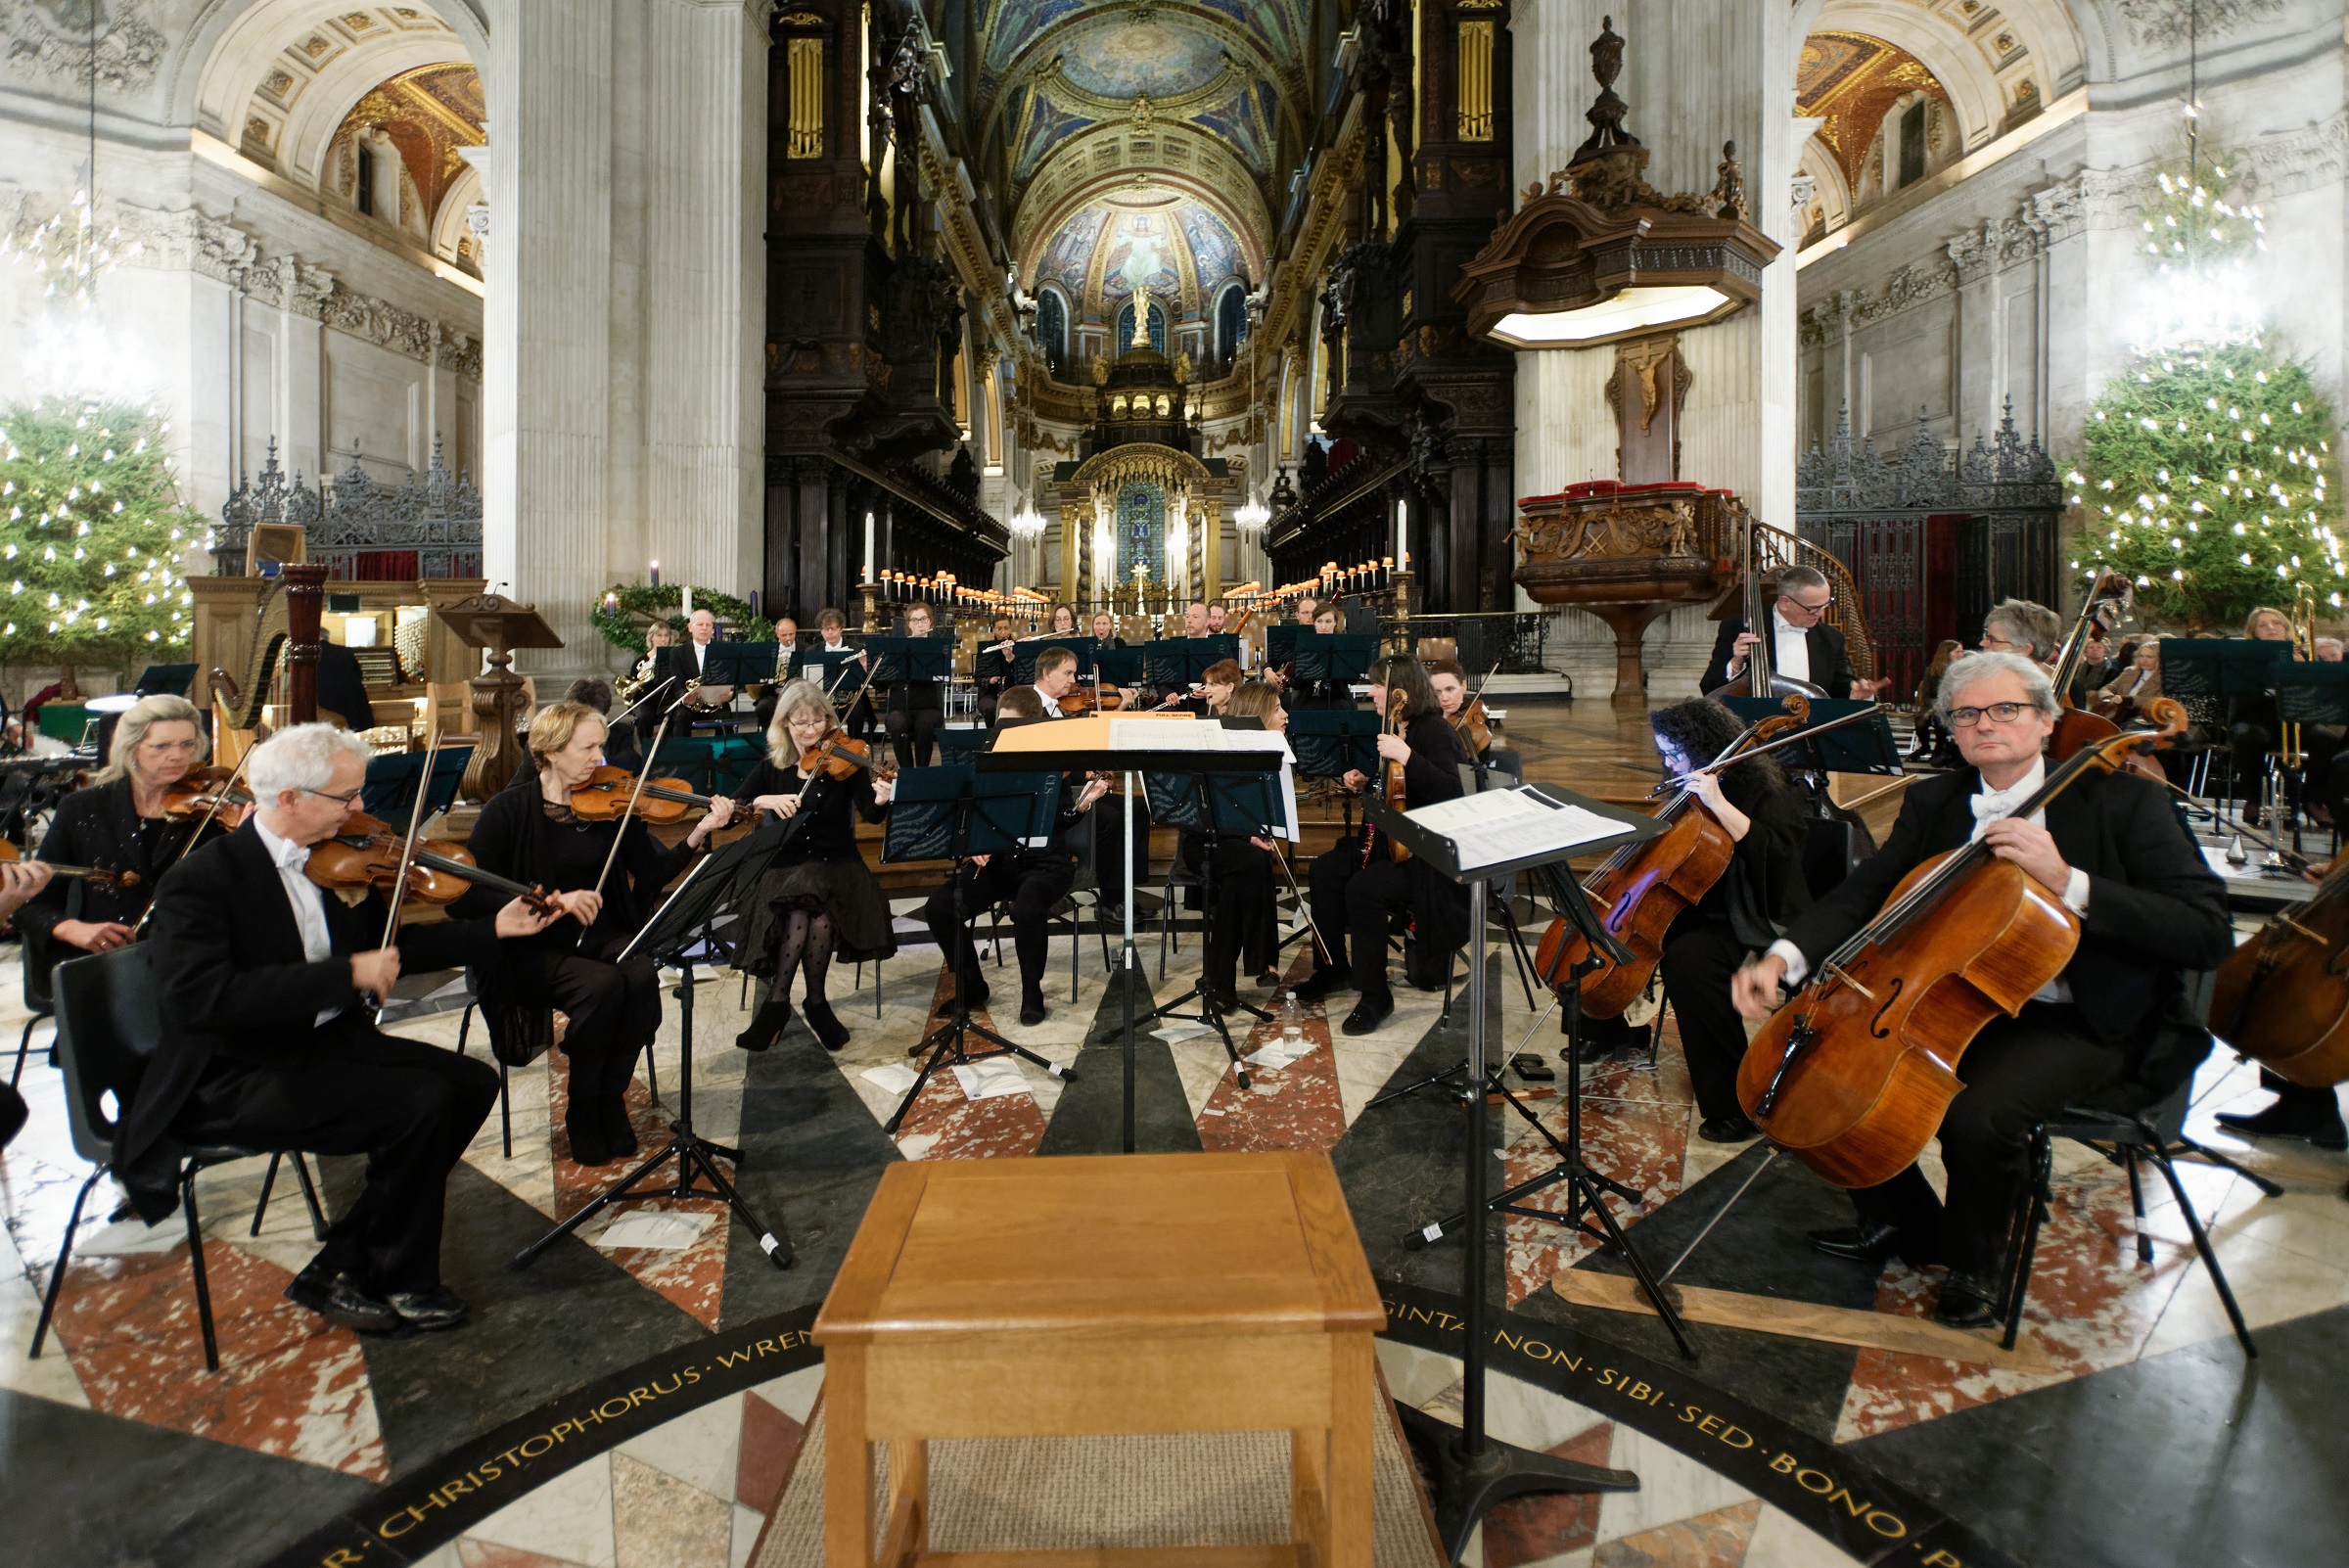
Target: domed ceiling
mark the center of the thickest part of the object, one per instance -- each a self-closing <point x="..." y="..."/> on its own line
<point x="1139" y="141"/>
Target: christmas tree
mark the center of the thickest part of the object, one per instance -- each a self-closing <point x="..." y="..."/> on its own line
<point x="2208" y="470"/>
<point x="92" y="535"/>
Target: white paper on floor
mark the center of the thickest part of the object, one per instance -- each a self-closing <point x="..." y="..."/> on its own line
<point x="891" y="1075"/>
<point x="125" y="1237"/>
<point x="669" y="1231"/>
<point x="917" y="1146"/>
<point x="1275" y="1054"/>
<point x="985" y="1080"/>
<point x="1176" y="1033"/>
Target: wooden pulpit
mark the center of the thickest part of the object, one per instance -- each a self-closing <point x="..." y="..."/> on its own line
<point x="497" y="622"/>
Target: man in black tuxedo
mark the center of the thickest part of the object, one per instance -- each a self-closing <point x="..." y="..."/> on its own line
<point x="689" y="661"/>
<point x="266" y="981"/>
<point x="2150" y="911"/>
<point x="1806" y="647"/>
<point x="342" y="686"/>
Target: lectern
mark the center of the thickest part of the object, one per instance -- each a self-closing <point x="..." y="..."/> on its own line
<point x="497" y="622"/>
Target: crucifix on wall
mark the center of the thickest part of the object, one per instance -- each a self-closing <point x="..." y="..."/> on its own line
<point x="1647" y="391"/>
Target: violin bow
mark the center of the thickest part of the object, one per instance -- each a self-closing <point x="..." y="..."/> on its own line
<point x="407" y="849"/>
<point x="220" y="798"/>
<point x="637" y="794"/>
<point x="1771" y="746"/>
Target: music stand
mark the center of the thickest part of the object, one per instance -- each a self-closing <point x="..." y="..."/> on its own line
<point x="957" y="812"/>
<point x="678" y="934"/>
<point x="2216" y="670"/>
<point x="1024" y="654"/>
<point x="742" y="664"/>
<point x="1331" y="741"/>
<point x="827" y="664"/>
<point x="1342" y="658"/>
<point x="1121" y="667"/>
<point x="1212" y="805"/>
<point x="2306" y="694"/>
<point x="1178" y="663"/>
<point x="1466" y="841"/>
<point x="1866" y="746"/>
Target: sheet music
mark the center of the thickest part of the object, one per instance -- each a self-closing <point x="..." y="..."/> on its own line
<point x="1137" y="734"/>
<point x="1500" y="825"/>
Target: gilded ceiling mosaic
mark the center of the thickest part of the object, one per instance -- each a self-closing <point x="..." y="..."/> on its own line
<point x="1181" y="248"/>
<point x="1853" y="80"/>
<point x="428" y="114"/>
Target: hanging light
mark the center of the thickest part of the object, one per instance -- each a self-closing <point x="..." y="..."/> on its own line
<point x="1025" y="524"/>
<point x="1251" y="516"/>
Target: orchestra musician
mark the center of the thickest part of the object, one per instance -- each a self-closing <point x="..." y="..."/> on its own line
<point x="266" y="1044"/>
<point x="1244" y="922"/>
<point x="2151" y="912"/>
<point x="20" y="882"/>
<point x="1056" y="678"/>
<point x="1450" y="682"/>
<point x="1064" y="621"/>
<point x="1307" y="696"/>
<point x="529" y="833"/>
<point x="691" y="659"/>
<point x="1806" y="647"/>
<point x="1741" y="914"/>
<point x="2125" y="697"/>
<point x="1105" y="631"/>
<point x="1357" y="888"/>
<point x="1216" y="618"/>
<point x="915" y="709"/>
<point x="2020" y="627"/>
<point x="817" y="899"/>
<point x="1030" y="880"/>
<point x="991" y="668"/>
<point x="121" y="822"/>
<point x="1216" y="685"/>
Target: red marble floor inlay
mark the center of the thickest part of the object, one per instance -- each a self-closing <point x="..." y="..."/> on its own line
<point x="1643" y="1145"/>
<point x="289" y="1383"/>
<point x="1716" y="1540"/>
<point x="1294" y="1107"/>
<point x="2091" y="1305"/>
<point x="693" y="1277"/>
<point x="1546" y="1525"/>
<point x="1003" y="1127"/>
<point x="768" y="1453"/>
<point x="488" y="1554"/>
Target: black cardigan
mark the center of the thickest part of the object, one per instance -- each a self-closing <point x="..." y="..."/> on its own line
<point x="101" y="826"/>
<point x="823" y="829"/>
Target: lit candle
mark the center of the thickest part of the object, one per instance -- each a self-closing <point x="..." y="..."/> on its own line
<point x="655" y="573"/>
<point x="611" y="601"/>
<point x="868" y="547"/>
<point x="1402" y="531"/>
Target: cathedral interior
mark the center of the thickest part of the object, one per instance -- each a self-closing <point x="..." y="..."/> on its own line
<point x="1541" y="339"/>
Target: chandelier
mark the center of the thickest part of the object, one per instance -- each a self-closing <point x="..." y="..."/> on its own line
<point x="1026" y="523"/>
<point x="1250" y="518"/>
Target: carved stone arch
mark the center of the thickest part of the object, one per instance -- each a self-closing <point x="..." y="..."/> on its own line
<point x="1980" y="80"/>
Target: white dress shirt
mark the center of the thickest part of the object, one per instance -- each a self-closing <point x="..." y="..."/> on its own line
<point x="308" y="901"/>
<point x="1792" y="645"/>
<point x="1988" y="805"/>
<point x="1051" y="702"/>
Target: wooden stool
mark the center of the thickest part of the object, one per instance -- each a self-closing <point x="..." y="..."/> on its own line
<point x="1102" y="1295"/>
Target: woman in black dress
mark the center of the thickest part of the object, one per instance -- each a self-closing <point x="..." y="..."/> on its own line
<point x="116" y="823"/>
<point x="1245" y="923"/>
<point x="817" y="899"/>
<point x="528" y="833"/>
<point x="1741" y="914"/>
<point x="915" y="711"/>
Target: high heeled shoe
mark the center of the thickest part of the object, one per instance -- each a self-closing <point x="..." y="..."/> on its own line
<point x="766" y="1025"/>
<point x="830" y="1031"/>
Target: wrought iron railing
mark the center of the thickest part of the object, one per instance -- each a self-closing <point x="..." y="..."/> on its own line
<point x="360" y="529"/>
<point x="1514" y="641"/>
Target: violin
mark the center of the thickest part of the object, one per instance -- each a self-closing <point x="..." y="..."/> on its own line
<point x="97" y="876"/>
<point x="2282" y="997"/>
<point x="835" y="755"/>
<point x="607" y="792"/>
<point x="1474" y="727"/>
<point x="1854" y="1075"/>
<point x="1390" y="784"/>
<point x="208" y="792"/>
<point x="1095" y="698"/>
<point x="1642" y="888"/>
<point x="366" y="854"/>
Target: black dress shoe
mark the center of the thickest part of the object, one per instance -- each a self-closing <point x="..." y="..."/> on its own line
<point x="620" y="1130"/>
<point x="1032" y="1010"/>
<point x="830" y="1031"/>
<point x="1860" y="1243"/>
<point x="1270" y="980"/>
<point x="766" y="1025"/>
<point x="1322" y="983"/>
<point x="1967" y="1301"/>
<point x="589" y="1145"/>
<point x="1368" y="1014"/>
<point x="2317" y="1125"/>
<point x="338" y="1299"/>
<point x="427" y="1310"/>
<point x="1726" y="1129"/>
<point x="973" y="989"/>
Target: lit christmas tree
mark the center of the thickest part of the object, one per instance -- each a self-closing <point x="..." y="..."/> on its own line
<point x="2208" y="470"/>
<point x="91" y="540"/>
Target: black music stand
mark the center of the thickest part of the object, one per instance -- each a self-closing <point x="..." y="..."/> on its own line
<point x="680" y="933"/>
<point x="2308" y="693"/>
<point x="1468" y="1471"/>
<point x="1121" y="667"/>
<point x="1177" y="664"/>
<point x="1866" y="747"/>
<point x="938" y="811"/>
<point x="1024" y="654"/>
<point x="915" y="659"/>
<point x="2216" y="672"/>
<point x="1212" y="805"/>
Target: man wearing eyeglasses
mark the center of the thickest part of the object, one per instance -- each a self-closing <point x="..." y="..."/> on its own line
<point x="2018" y="626"/>
<point x="268" y="988"/>
<point x="2151" y="912"/>
<point x="1803" y="645"/>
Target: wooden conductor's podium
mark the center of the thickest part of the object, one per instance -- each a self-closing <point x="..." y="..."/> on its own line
<point x="497" y="622"/>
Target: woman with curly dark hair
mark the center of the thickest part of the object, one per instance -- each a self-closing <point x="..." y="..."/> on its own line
<point x="1742" y="913"/>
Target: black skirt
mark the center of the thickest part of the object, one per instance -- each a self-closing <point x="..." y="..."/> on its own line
<point x="845" y="890"/>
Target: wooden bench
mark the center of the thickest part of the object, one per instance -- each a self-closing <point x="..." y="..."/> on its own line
<point x="1102" y="1295"/>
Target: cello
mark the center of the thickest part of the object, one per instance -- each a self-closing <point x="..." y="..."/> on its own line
<point x="2075" y="727"/>
<point x="1852" y="1075"/>
<point x="1642" y="888"/>
<point x="2282" y="997"/>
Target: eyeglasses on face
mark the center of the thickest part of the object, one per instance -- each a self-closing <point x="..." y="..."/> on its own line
<point x="340" y="799"/>
<point x="2003" y="712"/>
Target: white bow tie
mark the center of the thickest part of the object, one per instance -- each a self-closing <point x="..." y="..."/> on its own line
<point x="1990" y="805"/>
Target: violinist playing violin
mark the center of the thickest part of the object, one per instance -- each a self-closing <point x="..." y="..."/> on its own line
<point x="531" y="833"/>
<point x="130" y="820"/>
<point x="1467" y="718"/>
<point x="266" y="981"/>
<point x="817" y="899"/>
<point x="1741" y="913"/>
<point x="2150" y="909"/>
<point x="1357" y="888"/>
<point x="991" y="668"/>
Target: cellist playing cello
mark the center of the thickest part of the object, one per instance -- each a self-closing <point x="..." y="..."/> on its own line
<point x="2150" y="911"/>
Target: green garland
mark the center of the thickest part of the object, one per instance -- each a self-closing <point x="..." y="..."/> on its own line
<point x="619" y="623"/>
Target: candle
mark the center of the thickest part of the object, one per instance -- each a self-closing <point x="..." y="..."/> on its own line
<point x="868" y="546"/>
<point x="611" y="601"/>
<point x="689" y="601"/>
<point x="655" y="573"/>
<point x="1402" y="531"/>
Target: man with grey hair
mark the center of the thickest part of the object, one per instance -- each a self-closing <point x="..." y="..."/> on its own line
<point x="2019" y="627"/>
<point x="1803" y="646"/>
<point x="267" y="986"/>
<point x="2149" y="912"/>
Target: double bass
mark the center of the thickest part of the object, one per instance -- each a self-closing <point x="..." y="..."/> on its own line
<point x="1762" y="678"/>
<point x="1852" y="1075"/>
<point x="2075" y="727"/>
<point x="1642" y="888"/>
<point x="2282" y="997"/>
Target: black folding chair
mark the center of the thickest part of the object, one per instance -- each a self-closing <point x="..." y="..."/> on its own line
<point x="108" y="1023"/>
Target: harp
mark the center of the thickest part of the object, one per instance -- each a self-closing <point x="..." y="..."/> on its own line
<point x="237" y="704"/>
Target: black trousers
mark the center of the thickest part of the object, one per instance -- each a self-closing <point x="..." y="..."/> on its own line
<point x="614" y="1011"/>
<point x="1354" y="906"/>
<point x="409" y="1107"/>
<point x="913" y="734"/>
<point x="1700" y="954"/>
<point x="1243" y="922"/>
<point x="1032" y="884"/>
<point x="2018" y="1071"/>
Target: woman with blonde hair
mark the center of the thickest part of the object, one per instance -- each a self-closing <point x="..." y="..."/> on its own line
<point x="117" y="823"/>
<point x="529" y="833"/>
<point x="817" y="899"/>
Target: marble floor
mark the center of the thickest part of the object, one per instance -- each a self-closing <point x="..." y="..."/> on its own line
<point x="638" y="1395"/>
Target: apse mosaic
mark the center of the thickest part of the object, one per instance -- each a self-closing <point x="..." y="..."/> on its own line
<point x="1140" y="253"/>
<point x="1072" y="251"/>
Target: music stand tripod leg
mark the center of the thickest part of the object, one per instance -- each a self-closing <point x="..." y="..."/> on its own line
<point x="1211" y="1009"/>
